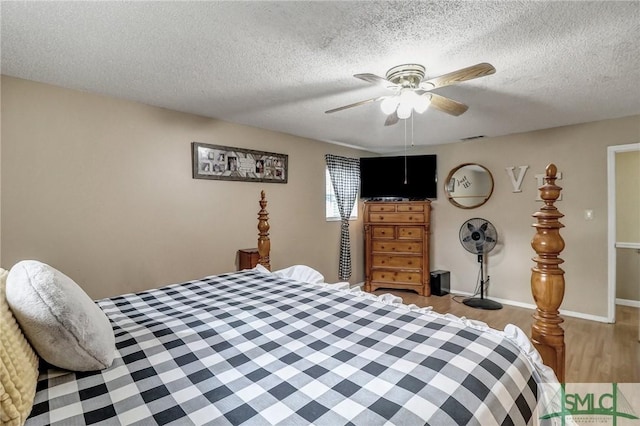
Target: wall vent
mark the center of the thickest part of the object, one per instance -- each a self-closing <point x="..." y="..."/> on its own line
<point x="470" y="138"/>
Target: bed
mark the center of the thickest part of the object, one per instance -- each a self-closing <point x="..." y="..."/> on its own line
<point x="257" y="347"/>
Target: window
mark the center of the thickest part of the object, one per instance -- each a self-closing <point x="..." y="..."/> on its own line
<point x="331" y="209"/>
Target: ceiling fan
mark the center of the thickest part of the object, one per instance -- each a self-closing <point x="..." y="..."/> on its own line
<point x="414" y="93"/>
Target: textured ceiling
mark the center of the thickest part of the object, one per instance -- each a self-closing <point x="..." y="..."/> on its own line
<point x="280" y="65"/>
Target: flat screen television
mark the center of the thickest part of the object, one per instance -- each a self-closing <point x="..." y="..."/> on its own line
<point x="385" y="177"/>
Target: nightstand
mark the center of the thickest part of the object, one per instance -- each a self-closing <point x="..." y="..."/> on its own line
<point x="248" y="258"/>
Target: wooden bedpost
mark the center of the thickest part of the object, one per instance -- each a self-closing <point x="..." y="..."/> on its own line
<point x="264" y="244"/>
<point x="547" y="278"/>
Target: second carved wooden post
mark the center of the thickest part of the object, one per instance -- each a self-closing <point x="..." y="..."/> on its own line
<point x="547" y="278"/>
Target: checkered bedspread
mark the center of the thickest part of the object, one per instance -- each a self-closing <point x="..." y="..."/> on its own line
<point x="251" y="348"/>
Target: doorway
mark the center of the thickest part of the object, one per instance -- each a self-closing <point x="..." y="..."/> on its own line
<point x="611" y="228"/>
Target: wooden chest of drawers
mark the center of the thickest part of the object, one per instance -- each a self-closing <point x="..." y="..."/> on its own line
<point x="397" y="245"/>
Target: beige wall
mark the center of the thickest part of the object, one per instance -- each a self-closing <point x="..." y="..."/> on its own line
<point x="0" y="178"/>
<point x="101" y="189"/>
<point x="580" y="152"/>
<point x="628" y="197"/>
<point x="628" y="224"/>
<point x="628" y="274"/>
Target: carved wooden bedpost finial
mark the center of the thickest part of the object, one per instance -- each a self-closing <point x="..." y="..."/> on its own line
<point x="264" y="244"/>
<point x="547" y="278"/>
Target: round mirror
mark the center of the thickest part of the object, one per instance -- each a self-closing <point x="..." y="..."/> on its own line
<point x="469" y="185"/>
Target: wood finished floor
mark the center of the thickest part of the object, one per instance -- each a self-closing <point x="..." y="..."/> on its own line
<point x="596" y="352"/>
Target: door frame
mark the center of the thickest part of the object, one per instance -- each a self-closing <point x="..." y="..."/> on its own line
<point x="611" y="223"/>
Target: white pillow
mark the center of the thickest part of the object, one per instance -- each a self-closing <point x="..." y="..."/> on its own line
<point x="302" y="273"/>
<point x="62" y="323"/>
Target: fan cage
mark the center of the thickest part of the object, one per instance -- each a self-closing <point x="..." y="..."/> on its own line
<point x="478" y="236"/>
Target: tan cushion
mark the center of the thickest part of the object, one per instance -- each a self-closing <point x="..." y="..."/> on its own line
<point x="64" y="326"/>
<point x="18" y="366"/>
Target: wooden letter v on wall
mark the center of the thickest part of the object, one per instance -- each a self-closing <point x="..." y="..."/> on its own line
<point x="516" y="182"/>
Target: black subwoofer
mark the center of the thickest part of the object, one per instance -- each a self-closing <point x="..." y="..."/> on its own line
<point x="440" y="283"/>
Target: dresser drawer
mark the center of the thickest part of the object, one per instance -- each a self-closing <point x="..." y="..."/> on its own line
<point x="382" y="208"/>
<point x="396" y="217"/>
<point x="397" y="277"/>
<point x="410" y="232"/>
<point x="397" y="246"/>
<point x="383" y="232"/>
<point x="410" y="208"/>
<point x="406" y="262"/>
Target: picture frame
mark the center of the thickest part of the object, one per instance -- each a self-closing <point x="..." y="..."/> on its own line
<point x="219" y="162"/>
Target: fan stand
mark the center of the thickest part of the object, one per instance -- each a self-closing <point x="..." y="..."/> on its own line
<point x="481" y="302"/>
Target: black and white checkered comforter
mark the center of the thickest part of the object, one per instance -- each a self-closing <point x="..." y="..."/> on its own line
<point x="251" y="348"/>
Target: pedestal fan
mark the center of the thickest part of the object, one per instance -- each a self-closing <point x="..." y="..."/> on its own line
<point x="479" y="236"/>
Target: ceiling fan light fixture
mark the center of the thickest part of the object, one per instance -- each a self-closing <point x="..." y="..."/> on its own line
<point x="422" y="103"/>
<point x="390" y="104"/>
<point x="404" y="110"/>
<point x="408" y="96"/>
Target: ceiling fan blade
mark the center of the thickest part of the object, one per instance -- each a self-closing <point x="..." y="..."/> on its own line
<point x="376" y="79"/>
<point x="447" y="105"/>
<point x="354" y="105"/>
<point x="464" y="74"/>
<point x="392" y="118"/>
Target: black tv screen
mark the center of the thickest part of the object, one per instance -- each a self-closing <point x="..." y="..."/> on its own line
<point x="387" y="177"/>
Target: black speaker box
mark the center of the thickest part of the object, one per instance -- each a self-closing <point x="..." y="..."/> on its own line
<point x="440" y="283"/>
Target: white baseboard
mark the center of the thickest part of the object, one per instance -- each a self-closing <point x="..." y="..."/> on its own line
<point x="455" y="292"/>
<point x="628" y="302"/>
<point x="585" y="316"/>
<point x="533" y="307"/>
